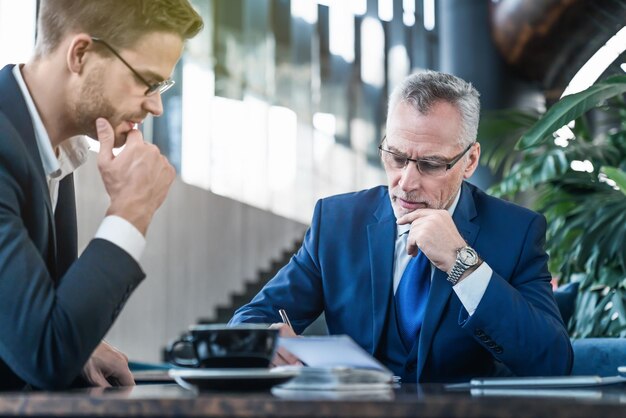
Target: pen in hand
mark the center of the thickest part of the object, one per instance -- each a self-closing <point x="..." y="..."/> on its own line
<point x="284" y="357"/>
<point x="285" y="318"/>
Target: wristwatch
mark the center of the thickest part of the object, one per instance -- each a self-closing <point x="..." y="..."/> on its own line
<point x="466" y="257"/>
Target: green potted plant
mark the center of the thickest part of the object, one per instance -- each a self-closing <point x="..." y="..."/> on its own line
<point x="578" y="181"/>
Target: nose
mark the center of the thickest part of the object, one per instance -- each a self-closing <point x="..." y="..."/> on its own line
<point x="409" y="177"/>
<point x="153" y="104"/>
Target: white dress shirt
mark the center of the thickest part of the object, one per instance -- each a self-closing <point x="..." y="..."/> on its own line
<point x="69" y="155"/>
<point x="470" y="290"/>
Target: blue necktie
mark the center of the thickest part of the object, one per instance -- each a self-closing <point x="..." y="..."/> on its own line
<point x="411" y="298"/>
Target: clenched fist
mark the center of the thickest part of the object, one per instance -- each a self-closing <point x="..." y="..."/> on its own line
<point x="137" y="180"/>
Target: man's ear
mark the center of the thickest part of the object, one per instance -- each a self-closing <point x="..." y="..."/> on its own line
<point x="473" y="157"/>
<point x="77" y="52"/>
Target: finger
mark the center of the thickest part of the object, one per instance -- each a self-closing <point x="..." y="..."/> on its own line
<point x="279" y="360"/>
<point x="118" y="372"/>
<point x="411" y="216"/>
<point x="96" y="378"/>
<point x="123" y="377"/>
<point x="408" y="218"/>
<point x="284" y="330"/>
<point x="170" y="172"/>
<point x="106" y="137"/>
<point x="287" y="332"/>
<point x="411" y="246"/>
<point x="287" y="357"/>
<point x="102" y="382"/>
<point x="134" y="136"/>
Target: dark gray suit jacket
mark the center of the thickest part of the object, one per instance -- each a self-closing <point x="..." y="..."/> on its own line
<point x="54" y="307"/>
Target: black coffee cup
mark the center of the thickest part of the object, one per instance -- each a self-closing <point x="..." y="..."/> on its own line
<point x="221" y="346"/>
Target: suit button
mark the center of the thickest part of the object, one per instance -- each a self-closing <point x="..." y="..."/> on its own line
<point x="411" y="366"/>
<point x="491" y="344"/>
<point x="498" y="350"/>
<point x="484" y="338"/>
<point x="479" y="332"/>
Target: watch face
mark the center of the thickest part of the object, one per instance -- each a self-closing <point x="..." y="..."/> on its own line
<point x="468" y="256"/>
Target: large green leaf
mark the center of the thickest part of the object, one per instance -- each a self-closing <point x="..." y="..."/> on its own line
<point x="617" y="175"/>
<point x="600" y="312"/>
<point x="586" y="217"/>
<point x="498" y="132"/>
<point x="569" y="108"/>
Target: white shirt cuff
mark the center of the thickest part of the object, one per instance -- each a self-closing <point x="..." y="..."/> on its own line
<point x="123" y="234"/>
<point x="471" y="289"/>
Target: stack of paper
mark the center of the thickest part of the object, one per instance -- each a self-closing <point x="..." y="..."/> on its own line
<point x="335" y="363"/>
<point x="338" y="378"/>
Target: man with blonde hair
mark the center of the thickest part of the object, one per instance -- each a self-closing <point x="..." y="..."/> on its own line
<point x="99" y="69"/>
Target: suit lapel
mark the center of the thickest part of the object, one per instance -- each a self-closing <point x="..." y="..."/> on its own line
<point x="14" y="107"/>
<point x="12" y="104"/>
<point x="381" y="240"/>
<point x="464" y="215"/>
<point x="440" y="289"/>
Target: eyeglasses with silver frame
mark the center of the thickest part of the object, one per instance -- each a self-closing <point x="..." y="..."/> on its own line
<point x="153" y="88"/>
<point x="426" y="167"/>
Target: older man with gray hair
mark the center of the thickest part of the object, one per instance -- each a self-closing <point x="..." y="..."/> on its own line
<point x="433" y="277"/>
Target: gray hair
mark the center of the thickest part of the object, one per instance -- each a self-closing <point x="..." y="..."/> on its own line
<point x="424" y="89"/>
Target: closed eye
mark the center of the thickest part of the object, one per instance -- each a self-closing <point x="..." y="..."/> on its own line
<point x="399" y="159"/>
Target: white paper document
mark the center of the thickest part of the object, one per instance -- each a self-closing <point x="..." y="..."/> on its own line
<point x="331" y="351"/>
<point x="336" y="364"/>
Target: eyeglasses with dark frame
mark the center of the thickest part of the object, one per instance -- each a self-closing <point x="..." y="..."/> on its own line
<point x="425" y="167"/>
<point x="153" y="88"/>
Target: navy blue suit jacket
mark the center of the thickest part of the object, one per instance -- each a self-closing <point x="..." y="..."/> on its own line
<point x="345" y="266"/>
<point x="54" y="308"/>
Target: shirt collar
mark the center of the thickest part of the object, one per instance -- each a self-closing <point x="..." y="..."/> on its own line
<point x="403" y="229"/>
<point x="72" y="152"/>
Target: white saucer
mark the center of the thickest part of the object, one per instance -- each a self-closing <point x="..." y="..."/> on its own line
<point x="231" y="379"/>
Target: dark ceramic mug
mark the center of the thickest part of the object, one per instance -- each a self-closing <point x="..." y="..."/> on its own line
<point x="221" y="346"/>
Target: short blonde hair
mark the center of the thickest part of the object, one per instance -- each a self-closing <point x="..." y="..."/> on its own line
<point x="119" y="22"/>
